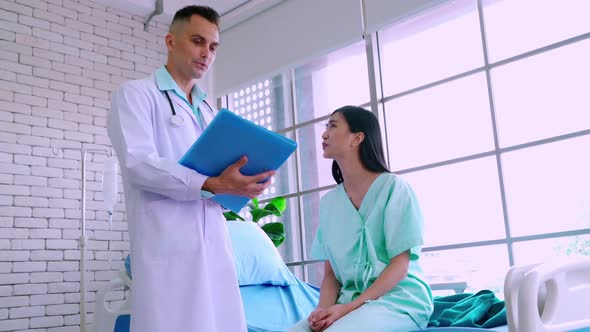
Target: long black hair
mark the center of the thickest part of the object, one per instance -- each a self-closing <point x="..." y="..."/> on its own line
<point x="371" y="149"/>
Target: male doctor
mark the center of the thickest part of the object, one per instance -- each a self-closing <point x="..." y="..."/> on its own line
<point x="184" y="276"/>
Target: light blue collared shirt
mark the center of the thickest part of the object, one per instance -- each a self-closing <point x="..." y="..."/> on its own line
<point x="165" y="82"/>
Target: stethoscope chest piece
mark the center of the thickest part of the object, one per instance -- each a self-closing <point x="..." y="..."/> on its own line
<point x="176" y="120"/>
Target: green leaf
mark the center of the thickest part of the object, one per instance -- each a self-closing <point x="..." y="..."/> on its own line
<point x="255" y="202"/>
<point x="232" y="216"/>
<point x="275" y="231"/>
<point x="274" y="227"/>
<point x="258" y="214"/>
<point x="280" y="203"/>
<point x="270" y="207"/>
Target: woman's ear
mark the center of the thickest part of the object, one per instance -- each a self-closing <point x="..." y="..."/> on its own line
<point x="358" y="138"/>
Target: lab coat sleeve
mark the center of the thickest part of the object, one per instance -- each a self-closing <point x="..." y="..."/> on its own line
<point x="132" y="135"/>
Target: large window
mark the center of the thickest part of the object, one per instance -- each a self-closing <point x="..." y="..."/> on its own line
<point x="444" y="122"/>
<point x="547" y="22"/>
<point x="336" y="80"/>
<point x="487" y="118"/>
<point x="431" y="47"/>
<point x="544" y="95"/>
<point x="547" y="187"/>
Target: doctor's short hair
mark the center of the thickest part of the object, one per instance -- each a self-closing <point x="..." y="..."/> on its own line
<point x="184" y="15"/>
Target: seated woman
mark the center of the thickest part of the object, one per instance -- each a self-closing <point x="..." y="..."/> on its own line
<point x="370" y="235"/>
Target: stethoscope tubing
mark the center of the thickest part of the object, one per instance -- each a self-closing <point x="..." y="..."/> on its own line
<point x="177" y="120"/>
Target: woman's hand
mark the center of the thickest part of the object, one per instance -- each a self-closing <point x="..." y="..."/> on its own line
<point x="315" y="319"/>
<point x="322" y="318"/>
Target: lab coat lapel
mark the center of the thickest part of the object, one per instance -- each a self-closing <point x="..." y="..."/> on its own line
<point x="179" y="103"/>
<point x="207" y="113"/>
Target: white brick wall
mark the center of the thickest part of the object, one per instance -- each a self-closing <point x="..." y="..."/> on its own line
<point x="59" y="62"/>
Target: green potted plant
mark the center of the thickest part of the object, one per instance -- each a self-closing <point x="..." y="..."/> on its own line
<point x="276" y="207"/>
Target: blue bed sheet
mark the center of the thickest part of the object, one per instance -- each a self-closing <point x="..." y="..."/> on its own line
<point x="503" y="328"/>
<point x="276" y="308"/>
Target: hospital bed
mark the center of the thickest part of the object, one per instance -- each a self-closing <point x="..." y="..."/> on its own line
<point x="549" y="297"/>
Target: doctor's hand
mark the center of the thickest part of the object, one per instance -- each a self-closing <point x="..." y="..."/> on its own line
<point x="231" y="181"/>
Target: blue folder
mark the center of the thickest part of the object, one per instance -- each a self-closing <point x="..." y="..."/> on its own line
<point x="226" y="140"/>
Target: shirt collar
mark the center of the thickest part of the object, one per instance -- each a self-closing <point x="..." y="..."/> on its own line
<point x="165" y="82"/>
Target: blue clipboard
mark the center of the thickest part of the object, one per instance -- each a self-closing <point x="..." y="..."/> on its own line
<point x="225" y="141"/>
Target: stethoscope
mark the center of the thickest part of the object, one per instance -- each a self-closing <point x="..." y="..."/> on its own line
<point x="177" y="120"/>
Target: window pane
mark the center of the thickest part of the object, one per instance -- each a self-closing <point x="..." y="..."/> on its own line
<point x="441" y="123"/>
<point x="290" y="250"/>
<point x="539" y="251"/>
<point x="316" y="171"/>
<point x="548" y="187"/>
<point x="263" y="103"/>
<point x="515" y="27"/>
<point x="479" y="267"/>
<point x="330" y="82"/>
<point x="315" y="274"/>
<point x="460" y="202"/>
<point x="544" y="95"/>
<point x="441" y="43"/>
<point x="311" y="218"/>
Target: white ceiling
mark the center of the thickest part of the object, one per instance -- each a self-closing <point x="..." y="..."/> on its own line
<point x="232" y="11"/>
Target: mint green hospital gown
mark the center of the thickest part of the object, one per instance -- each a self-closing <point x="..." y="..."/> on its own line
<point x="359" y="245"/>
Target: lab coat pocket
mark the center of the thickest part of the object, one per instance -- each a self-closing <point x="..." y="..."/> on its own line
<point x="170" y="228"/>
<point x="215" y="224"/>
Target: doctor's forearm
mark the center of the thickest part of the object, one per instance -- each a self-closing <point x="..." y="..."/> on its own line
<point x="395" y="272"/>
<point x="212" y="184"/>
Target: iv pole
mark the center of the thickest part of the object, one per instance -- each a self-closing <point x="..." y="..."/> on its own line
<point x="83" y="238"/>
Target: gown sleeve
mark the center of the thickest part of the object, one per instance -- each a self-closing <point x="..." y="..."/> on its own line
<point x="403" y="225"/>
<point x="317" y="249"/>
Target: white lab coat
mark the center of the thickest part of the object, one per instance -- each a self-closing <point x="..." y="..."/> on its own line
<point x="184" y="277"/>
